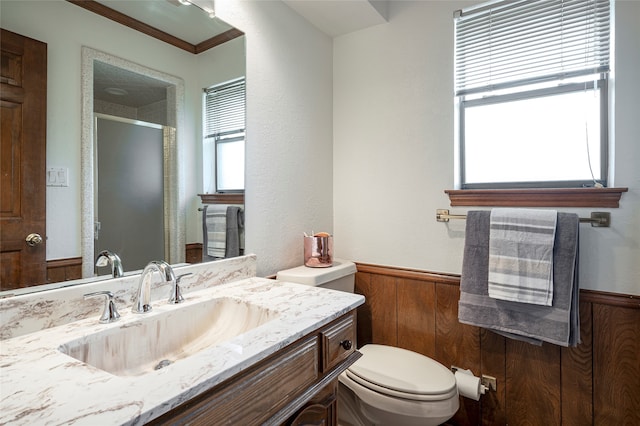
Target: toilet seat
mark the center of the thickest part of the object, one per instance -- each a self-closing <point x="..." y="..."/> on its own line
<point x="400" y="373"/>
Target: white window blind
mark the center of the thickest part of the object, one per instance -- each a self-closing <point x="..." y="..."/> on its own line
<point x="224" y="136"/>
<point x="225" y="109"/>
<point x="513" y="43"/>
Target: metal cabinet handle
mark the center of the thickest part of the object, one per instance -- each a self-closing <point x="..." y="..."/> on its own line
<point x="33" y="240"/>
<point x="346" y="344"/>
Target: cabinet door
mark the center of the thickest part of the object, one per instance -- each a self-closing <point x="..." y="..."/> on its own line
<point x="320" y="411"/>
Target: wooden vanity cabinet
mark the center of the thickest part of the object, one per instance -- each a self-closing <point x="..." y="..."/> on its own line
<point x="295" y="386"/>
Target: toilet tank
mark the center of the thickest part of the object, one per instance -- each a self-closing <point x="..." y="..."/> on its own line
<point x="339" y="276"/>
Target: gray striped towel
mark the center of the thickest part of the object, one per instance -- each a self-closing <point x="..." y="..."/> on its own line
<point x="521" y="245"/>
<point x="558" y="324"/>
<point x="215" y="230"/>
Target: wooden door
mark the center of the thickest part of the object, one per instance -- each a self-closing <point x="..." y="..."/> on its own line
<point x="23" y="102"/>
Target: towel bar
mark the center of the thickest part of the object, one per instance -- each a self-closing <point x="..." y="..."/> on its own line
<point x="597" y="219"/>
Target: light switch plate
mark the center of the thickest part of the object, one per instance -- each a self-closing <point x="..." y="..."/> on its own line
<point x="57" y="176"/>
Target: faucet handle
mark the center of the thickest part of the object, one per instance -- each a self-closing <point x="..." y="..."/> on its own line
<point x="176" y="292"/>
<point x="110" y="313"/>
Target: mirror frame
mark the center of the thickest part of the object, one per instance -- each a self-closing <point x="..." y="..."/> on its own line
<point x="175" y="203"/>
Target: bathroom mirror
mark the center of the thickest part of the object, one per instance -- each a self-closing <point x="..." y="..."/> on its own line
<point x="187" y="52"/>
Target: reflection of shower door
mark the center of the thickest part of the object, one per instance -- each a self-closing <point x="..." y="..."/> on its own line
<point x="129" y="185"/>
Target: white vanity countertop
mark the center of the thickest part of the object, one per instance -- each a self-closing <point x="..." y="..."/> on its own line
<point x="40" y="385"/>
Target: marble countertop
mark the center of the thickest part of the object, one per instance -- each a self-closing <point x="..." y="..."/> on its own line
<point x="40" y="385"/>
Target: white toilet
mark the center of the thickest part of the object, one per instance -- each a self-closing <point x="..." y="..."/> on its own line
<point x="387" y="385"/>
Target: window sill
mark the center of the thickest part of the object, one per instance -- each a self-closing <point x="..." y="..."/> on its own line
<point x="539" y="197"/>
<point x="227" y="198"/>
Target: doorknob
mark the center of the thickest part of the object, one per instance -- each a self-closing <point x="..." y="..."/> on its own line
<point x="33" y="240"/>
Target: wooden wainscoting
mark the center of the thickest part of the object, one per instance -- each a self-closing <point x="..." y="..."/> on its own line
<point x="596" y="383"/>
<point x="193" y="253"/>
<point x="71" y="268"/>
<point x="64" y="269"/>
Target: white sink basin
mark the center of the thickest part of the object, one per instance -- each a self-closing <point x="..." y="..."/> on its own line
<point x="159" y="339"/>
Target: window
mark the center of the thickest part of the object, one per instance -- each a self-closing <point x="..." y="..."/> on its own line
<point x="224" y="136"/>
<point x="531" y="87"/>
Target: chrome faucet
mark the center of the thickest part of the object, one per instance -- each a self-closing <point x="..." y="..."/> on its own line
<point x="109" y="258"/>
<point x="142" y="302"/>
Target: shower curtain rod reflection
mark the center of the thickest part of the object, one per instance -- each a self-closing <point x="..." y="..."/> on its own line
<point x="597" y="219"/>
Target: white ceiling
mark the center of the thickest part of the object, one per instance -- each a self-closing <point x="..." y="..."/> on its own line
<point x="139" y="90"/>
<point x="333" y="17"/>
<point x="338" y="17"/>
<point x="188" y="23"/>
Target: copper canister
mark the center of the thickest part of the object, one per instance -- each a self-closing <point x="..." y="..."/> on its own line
<point x="318" y="252"/>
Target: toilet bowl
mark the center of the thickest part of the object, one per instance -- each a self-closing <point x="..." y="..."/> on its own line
<point x="393" y="386"/>
<point x="387" y="385"/>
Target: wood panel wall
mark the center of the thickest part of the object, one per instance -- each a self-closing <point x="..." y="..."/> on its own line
<point x="596" y="383"/>
<point x="64" y="269"/>
<point x="193" y="253"/>
<point x="71" y="268"/>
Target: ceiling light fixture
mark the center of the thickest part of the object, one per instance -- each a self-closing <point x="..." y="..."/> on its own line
<point x="116" y="91"/>
<point x="206" y="9"/>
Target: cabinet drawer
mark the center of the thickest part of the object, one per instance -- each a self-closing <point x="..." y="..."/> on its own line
<point x="338" y="341"/>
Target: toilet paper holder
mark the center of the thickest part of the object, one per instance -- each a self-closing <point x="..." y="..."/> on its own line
<point x="489" y="382"/>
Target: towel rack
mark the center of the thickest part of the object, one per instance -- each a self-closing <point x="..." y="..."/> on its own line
<point x="597" y="219"/>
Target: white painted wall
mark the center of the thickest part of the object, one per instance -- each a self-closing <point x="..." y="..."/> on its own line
<point x="289" y="174"/>
<point x="352" y="136"/>
<point x="289" y="117"/>
<point x="218" y="65"/>
<point x="394" y="141"/>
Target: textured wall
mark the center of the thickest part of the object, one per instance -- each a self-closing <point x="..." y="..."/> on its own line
<point x="289" y="174"/>
<point x="394" y="148"/>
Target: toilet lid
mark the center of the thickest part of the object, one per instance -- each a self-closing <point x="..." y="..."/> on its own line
<point x="399" y="372"/>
